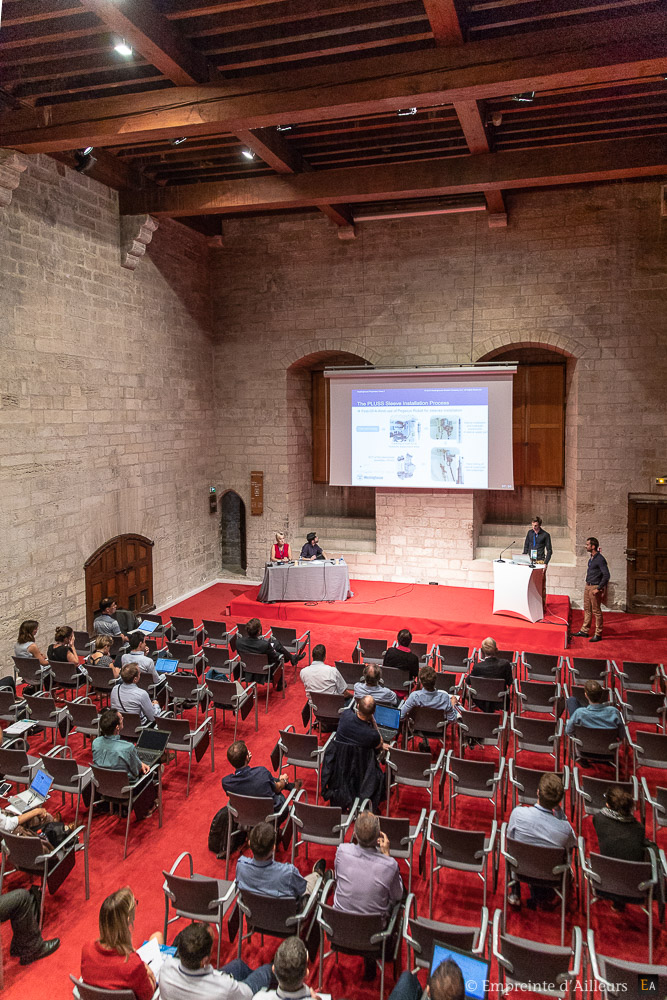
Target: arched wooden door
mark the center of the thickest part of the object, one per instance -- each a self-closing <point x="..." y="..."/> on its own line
<point x="121" y="568"/>
<point x="233" y="532"/>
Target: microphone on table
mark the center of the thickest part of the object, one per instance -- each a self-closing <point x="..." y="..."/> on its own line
<point x="500" y="557"/>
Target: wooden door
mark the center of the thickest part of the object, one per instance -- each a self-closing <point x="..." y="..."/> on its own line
<point x="538" y="430"/>
<point x="646" y="555"/>
<point x="121" y="568"/>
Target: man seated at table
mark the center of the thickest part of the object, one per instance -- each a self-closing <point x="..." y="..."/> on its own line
<point x="311" y="549"/>
<point x="109" y="750"/>
<point x="273" y="649"/>
<point x="401" y="656"/>
<point x="372" y="685"/>
<point x="319" y="677"/>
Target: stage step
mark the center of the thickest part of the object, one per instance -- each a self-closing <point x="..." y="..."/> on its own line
<point x="338" y="535"/>
<point x="560" y="557"/>
<point x="495" y="537"/>
<point x="519" y="530"/>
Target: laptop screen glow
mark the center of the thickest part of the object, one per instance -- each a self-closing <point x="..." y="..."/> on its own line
<point x="165" y="666"/>
<point x="390" y="718"/>
<point x="474" y="970"/>
<point x="41" y="783"/>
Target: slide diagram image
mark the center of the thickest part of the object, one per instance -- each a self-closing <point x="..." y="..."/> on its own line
<point x="446" y="465"/>
<point x="404" y="431"/>
<point x="406" y="467"/>
<point x="445" y="428"/>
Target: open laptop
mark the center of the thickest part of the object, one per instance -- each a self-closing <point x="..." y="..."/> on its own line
<point x="151" y="745"/>
<point x="475" y="970"/>
<point x="166" y="666"/>
<point x="147" y="627"/>
<point x="388" y="722"/>
<point x="33" y="797"/>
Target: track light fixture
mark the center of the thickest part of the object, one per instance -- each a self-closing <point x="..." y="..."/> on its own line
<point x="122" y="48"/>
<point x="84" y="160"/>
<point x="178" y="142"/>
<point x="406" y="112"/>
<point x="284" y="128"/>
<point x="527" y="97"/>
<point x="248" y="153"/>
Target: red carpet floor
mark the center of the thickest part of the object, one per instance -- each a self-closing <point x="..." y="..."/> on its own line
<point x="458" y="897"/>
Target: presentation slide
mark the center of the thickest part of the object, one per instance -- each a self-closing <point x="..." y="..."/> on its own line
<point x="420" y="437"/>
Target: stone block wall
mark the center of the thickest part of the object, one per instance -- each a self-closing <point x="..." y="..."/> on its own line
<point x="106" y="398"/>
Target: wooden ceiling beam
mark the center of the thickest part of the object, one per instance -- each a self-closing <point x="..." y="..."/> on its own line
<point x="470" y="118"/>
<point x="586" y="163"/>
<point x="444" y="21"/>
<point x="624" y="48"/>
<point x="272" y="148"/>
<point x="30" y="11"/>
<point x="237" y="17"/>
<point x="143" y="27"/>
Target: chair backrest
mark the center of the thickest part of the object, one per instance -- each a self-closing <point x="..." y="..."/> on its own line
<point x="428" y="720"/>
<point x="182" y="685"/>
<point x="269" y="913"/>
<point x="542" y="663"/>
<point x="352" y="931"/>
<point x="145" y="681"/>
<point x="535" y="732"/>
<point x="7" y="702"/>
<point x="63" y="770"/>
<point x="527" y="778"/>
<point x="458" y="846"/>
<point x="397" y="829"/>
<point x="15" y="763"/>
<point x="596" y="789"/>
<point x="427" y="932"/>
<point x="420" y="649"/>
<point x="644" y="705"/>
<point x="639" y="672"/>
<point x="653" y="748"/>
<point x="23" y="851"/>
<point x="242" y="628"/>
<point x="222" y="692"/>
<point x="622" y="878"/>
<point x="179" y="729"/>
<point x="110" y="782"/>
<point x="256" y="663"/>
<point x="588" y="668"/>
<point x="535" y="962"/>
<point x="395" y="679"/>
<point x="181" y="651"/>
<point x="480" y="725"/>
<point x="410" y="765"/>
<point x="472" y="774"/>
<point x="87" y="992"/>
<point x="101" y="678"/>
<point x="452" y="656"/>
<point x="538" y="692"/>
<point x="63" y="672"/>
<point x="152" y="618"/>
<point x="486" y="688"/>
<point x="215" y="629"/>
<point x="182" y="625"/>
<point x="42" y="710"/>
<point x="536" y="862"/>
<point x="81" y="639"/>
<point x="328" y="706"/>
<point x="318" y="821"/>
<point x="192" y="896"/>
<point x="445" y="681"/>
<point x="29" y="668"/>
<point x="596" y="741"/>
<point x="351" y="672"/>
<point x="373" y="649"/>
<point x="217" y="656"/>
<point x="299" y="746"/>
<point x="578" y="691"/>
<point x="131" y="724"/>
<point x="249" y="810"/>
<point x="624" y="975"/>
<point x="287" y="636"/>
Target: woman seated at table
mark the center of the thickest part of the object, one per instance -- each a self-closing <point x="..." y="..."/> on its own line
<point x="110" y="962"/>
<point x="280" y="550"/>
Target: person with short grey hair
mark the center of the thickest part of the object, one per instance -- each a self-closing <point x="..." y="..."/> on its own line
<point x="290" y="967"/>
<point x="372" y="685"/>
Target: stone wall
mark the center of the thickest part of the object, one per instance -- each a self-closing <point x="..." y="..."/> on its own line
<point x="580" y="271"/>
<point x="106" y="398"/>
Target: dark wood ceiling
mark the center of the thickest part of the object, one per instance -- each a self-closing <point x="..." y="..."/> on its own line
<point x="328" y="86"/>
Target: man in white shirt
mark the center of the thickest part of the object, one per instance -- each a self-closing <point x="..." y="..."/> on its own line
<point x="138" y="654"/>
<point x="319" y="677"/>
<point x="290" y="966"/>
<point x="190" y="975"/>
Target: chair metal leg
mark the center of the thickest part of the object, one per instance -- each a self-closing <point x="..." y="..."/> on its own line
<point x="127" y="824"/>
<point x="159" y="797"/>
<point x="187" y="787"/>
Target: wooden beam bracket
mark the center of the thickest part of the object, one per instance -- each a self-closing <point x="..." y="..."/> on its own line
<point x="136" y="232"/>
<point x="12" y="165"/>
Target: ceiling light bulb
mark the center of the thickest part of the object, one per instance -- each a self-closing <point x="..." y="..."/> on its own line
<point x="404" y="112"/>
<point x="248" y="153"/>
<point x="123" y="49"/>
<point x="284" y="128"/>
<point x="527" y="97"/>
<point x="177" y="142"/>
<point x="86" y="150"/>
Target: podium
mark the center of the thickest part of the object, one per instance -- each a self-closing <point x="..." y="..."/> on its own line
<point x="517" y="590"/>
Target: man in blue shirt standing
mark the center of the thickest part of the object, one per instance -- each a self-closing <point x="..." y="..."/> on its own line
<point x="595" y="591"/>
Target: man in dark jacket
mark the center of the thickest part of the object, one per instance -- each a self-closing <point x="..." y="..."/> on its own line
<point x="401" y="656"/>
<point x="538" y="546"/>
<point x="488" y="665"/>
<point x="254" y="642"/>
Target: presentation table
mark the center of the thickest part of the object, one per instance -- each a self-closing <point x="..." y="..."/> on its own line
<point x="517" y="590"/>
<point x="321" y="580"/>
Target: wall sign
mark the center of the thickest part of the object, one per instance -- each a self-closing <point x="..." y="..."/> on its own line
<point x="257" y="493"/>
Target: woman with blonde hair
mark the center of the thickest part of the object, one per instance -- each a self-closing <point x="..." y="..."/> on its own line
<point x="110" y="962"/>
<point x="101" y="655"/>
<point x="280" y="550"/>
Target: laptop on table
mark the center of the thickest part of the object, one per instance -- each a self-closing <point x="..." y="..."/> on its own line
<point x="151" y="744"/>
<point x="475" y="970"/>
<point x="388" y="722"/>
<point x="33" y="797"/>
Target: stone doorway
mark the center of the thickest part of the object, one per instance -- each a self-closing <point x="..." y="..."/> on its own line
<point x="233" y="532"/>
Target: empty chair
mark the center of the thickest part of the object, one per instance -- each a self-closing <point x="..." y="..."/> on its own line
<point x="625" y="881"/>
<point x="67" y="676"/>
<point x="590" y="793"/>
<point x="542" y="666"/>
<point x="17" y="766"/>
<point x="277" y="916"/>
<point x="131" y="729"/>
<point x="414" y="769"/>
<point x="69" y="777"/>
<point x="403" y="835"/>
<point x="185" y="691"/>
<point x="648" y="749"/>
<point x="247" y="811"/>
<point x="186" y="630"/>
<point x="11" y="707"/>
<point x="116" y="787"/>
<point x="32" y="672"/>
<point x="82" y="643"/>
<point x="452" y="658"/>
<point x="355" y="933"/>
<point x="313" y="824"/>
<point x="543" y="969"/>
<point x="186" y="654"/>
<point x="369" y="650"/>
<point x="524" y="781"/>
<point x="587" y="668"/>
<point x="396" y="680"/>
<point x="217" y="633"/>
<point x="221" y="662"/>
<point x="482" y="729"/>
<point x="634" y="675"/>
<point x="602" y="745"/>
<point x="616" y="977"/>
<point x="447" y="681"/>
<point x="24" y="854"/>
<point x="327" y="709"/>
<point x="44" y="712"/>
<point x="196" y="897"/>
<point x="537" y="736"/>
<point x="256" y="667"/>
<point x="183" y="739"/>
<point x="425" y="721"/>
<point x="539" y="697"/>
<point x="645" y="707"/>
<point x="230" y="696"/>
<point x="480" y="779"/>
<point x="101" y="680"/>
<point x="293" y="644"/>
<point x="460" y="850"/>
<point x="421" y="934"/>
<point x="547" y="867"/>
<point x="657" y="800"/>
<point x="301" y="750"/>
<point x="351" y="672"/>
<point x="490" y="691"/>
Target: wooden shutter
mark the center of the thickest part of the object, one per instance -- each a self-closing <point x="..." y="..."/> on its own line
<point x="320" y="420"/>
<point x="539" y="425"/>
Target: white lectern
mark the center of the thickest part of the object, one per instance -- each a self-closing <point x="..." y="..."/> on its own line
<point x="517" y="589"/>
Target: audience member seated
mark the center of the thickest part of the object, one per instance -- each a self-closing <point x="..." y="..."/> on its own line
<point x="27" y="824"/>
<point x="427" y="696"/>
<point x="595" y="713"/>
<point x="319" y="677"/>
<point x="104" y="623"/>
<point x="272" y="648"/>
<point x="290" y="968"/>
<point x="27" y="942"/>
<point x="489" y="665"/>
<point x="620" y="835"/>
<point x="62" y="649"/>
<point x="372" y="685"/>
<point x="263" y="874"/>
<point x="257" y="781"/>
<point x="25" y="646"/>
<point x="401" y="656"/>
<point x="129" y="697"/>
<point x="110" y="962"/>
<point x="350" y="768"/>
<point x="543" y="825"/>
<point x="190" y="973"/>
<point x="138" y="654"/>
<point x="446" y="983"/>
<point x="101" y="655"/>
<point x="367" y="878"/>
<point x="109" y="750"/>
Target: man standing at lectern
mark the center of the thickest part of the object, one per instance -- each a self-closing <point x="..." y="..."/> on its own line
<point x="538" y="541"/>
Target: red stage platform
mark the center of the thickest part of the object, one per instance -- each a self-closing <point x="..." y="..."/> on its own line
<point x="456" y="613"/>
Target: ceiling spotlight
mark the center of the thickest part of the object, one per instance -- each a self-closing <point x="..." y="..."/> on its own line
<point x="122" y="48"/>
<point x="248" y="153"/>
<point x="527" y="97"/>
<point x="177" y="142"/>
<point x="83" y="160"/>
<point x="284" y="128"/>
<point x="406" y="112"/>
